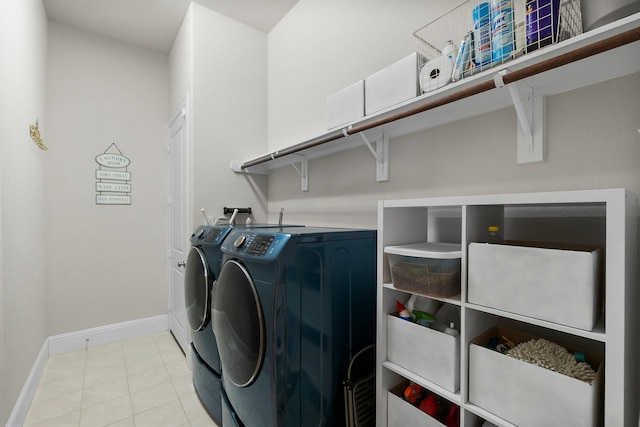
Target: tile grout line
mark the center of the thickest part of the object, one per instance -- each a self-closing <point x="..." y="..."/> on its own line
<point x="84" y="379"/>
<point x="167" y="359"/>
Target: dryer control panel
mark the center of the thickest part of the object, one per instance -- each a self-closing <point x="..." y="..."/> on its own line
<point x="260" y="245"/>
<point x="209" y="234"/>
<point x="246" y="243"/>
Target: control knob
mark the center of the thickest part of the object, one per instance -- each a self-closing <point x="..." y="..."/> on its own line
<point x="240" y="241"/>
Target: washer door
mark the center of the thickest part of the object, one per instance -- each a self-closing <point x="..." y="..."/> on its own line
<point x="238" y="324"/>
<point x="197" y="290"/>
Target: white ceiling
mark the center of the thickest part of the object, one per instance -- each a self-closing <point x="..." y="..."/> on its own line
<point x="153" y="24"/>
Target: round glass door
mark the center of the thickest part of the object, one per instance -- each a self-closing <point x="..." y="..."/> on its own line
<point x="238" y="324"/>
<point x="197" y="290"/>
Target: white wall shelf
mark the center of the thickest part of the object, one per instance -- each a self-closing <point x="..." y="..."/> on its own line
<point x="605" y="218"/>
<point x="602" y="54"/>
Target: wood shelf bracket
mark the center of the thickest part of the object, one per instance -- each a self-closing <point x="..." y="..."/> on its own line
<point x="530" y="109"/>
<point x="380" y="154"/>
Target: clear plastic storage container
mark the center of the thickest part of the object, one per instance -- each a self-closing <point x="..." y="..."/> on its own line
<point x="431" y="269"/>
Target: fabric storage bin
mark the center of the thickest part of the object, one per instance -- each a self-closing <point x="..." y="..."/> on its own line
<point x="528" y="395"/>
<point x="428" y="353"/>
<point x="401" y="413"/>
<point x="346" y="105"/>
<point x="431" y="269"/>
<point x="537" y="280"/>
<point x="394" y="84"/>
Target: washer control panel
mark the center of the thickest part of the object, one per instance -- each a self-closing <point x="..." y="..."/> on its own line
<point x="206" y="234"/>
<point x="260" y="245"/>
<point x="257" y="245"/>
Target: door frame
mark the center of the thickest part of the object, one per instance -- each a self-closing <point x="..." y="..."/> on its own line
<point x="183" y="111"/>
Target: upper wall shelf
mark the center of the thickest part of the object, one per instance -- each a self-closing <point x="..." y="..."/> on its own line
<point x="602" y="54"/>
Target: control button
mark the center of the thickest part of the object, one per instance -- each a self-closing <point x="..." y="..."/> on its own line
<point x="240" y="241"/>
<point x="201" y="233"/>
<point x="260" y="245"/>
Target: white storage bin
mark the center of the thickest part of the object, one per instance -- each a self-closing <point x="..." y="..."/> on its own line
<point x="527" y="395"/>
<point x="430" y="354"/>
<point x="346" y="105"/>
<point x="401" y="413"/>
<point x="394" y="84"/>
<point x="431" y="269"/>
<point x="538" y="281"/>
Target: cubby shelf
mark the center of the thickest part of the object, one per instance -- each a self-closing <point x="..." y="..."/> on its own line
<point x="605" y="218"/>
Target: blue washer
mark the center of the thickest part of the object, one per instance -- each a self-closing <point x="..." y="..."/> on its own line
<point x="291" y="308"/>
<point x="202" y="269"/>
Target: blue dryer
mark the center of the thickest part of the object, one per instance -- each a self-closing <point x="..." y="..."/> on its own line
<point x="201" y="270"/>
<point x="291" y="308"/>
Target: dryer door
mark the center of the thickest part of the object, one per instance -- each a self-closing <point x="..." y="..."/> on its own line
<point x="197" y="289"/>
<point x="238" y="324"/>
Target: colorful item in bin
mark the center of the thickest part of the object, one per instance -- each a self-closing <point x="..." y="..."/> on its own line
<point x="500" y="345"/>
<point x="579" y="356"/>
<point x="403" y="313"/>
<point x="463" y="60"/>
<point x="542" y="23"/>
<point x="413" y="393"/>
<point x="493" y="236"/>
<point x="549" y="355"/>
<point x="423" y="318"/>
<point x="453" y="416"/>
<point x="482" y="33"/>
<point x="502" y="29"/>
<point x="429" y="405"/>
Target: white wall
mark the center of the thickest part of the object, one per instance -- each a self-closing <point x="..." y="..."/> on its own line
<point x="106" y="264"/>
<point x="320" y="47"/>
<point x="227" y="86"/>
<point x="23" y="32"/>
<point x="592" y="139"/>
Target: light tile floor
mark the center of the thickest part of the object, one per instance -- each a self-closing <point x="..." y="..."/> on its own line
<point x="139" y="382"/>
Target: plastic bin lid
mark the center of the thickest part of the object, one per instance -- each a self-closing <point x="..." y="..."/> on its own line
<point x="427" y="250"/>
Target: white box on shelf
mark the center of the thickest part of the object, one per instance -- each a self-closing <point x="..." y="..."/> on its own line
<point x="528" y="395"/>
<point x="401" y="413"/>
<point x="394" y="84"/>
<point x="538" y="281"/>
<point x="346" y="105"/>
<point x="430" y="354"/>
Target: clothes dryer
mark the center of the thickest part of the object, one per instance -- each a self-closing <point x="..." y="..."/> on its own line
<point x="201" y="269"/>
<point x="291" y="308"/>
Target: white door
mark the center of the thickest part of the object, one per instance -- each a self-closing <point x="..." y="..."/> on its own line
<point x="178" y="234"/>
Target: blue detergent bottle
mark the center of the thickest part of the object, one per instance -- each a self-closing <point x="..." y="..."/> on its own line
<point x="482" y="33"/>
<point x="502" y="29"/>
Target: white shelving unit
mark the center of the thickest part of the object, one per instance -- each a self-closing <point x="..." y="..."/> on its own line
<point x="602" y="54"/>
<point x="607" y="218"/>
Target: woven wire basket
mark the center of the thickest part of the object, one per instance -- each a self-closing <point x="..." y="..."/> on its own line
<point x="525" y="30"/>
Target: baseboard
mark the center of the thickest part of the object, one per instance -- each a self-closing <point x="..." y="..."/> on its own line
<point x="108" y="334"/>
<point x="19" y="413"/>
<point x="72" y="341"/>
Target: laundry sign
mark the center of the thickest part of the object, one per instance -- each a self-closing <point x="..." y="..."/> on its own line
<point x="113" y="179"/>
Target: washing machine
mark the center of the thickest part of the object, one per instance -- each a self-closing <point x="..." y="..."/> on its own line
<point x="291" y="308"/>
<point x="201" y="270"/>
